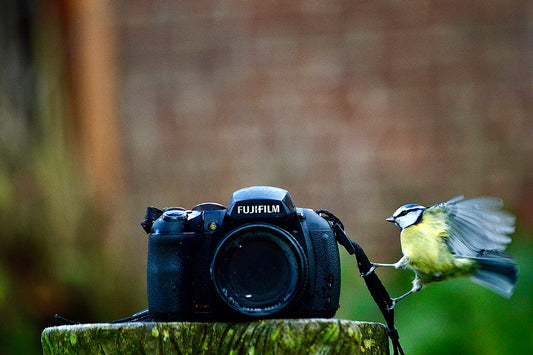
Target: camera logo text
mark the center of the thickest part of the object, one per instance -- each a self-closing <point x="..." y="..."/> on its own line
<point x="258" y="209"/>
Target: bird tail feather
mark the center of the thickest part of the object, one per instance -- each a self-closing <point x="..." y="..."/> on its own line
<point x="497" y="271"/>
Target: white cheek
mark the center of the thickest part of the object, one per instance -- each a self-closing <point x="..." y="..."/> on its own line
<point x="408" y="220"/>
<point x="403" y="223"/>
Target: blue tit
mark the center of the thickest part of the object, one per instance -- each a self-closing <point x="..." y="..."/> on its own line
<point x="457" y="238"/>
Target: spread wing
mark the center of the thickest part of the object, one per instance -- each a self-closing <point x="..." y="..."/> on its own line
<point x="475" y="225"/>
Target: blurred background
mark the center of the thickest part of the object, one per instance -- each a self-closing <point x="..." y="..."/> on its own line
<point x="357" y="107"/>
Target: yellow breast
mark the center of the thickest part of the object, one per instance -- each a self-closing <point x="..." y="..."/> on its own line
<point x="424" y="244"/>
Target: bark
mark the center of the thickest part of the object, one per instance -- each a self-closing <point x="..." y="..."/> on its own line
<point x="271" y="336"/>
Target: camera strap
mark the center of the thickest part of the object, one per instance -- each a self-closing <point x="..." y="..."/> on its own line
<point x="373" y="283"/>
<point x="142" y="316"/>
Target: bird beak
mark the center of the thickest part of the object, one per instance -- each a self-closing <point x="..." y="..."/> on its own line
<point x="390" y="219"/>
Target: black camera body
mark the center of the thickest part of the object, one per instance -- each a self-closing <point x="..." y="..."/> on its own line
<point x="261" y="257"/>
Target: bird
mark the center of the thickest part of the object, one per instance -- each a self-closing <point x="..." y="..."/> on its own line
<point x="457" y="238"/>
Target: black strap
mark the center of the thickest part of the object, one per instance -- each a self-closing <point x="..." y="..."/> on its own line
<point x="66" y="320"/>
<point x="142" y="316"/>
<point x="373" y="283"/>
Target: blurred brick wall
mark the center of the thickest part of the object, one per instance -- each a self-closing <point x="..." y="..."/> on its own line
<point x="357" y="107"/>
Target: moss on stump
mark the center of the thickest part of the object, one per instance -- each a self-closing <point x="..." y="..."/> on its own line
<point x="269" y="336"/>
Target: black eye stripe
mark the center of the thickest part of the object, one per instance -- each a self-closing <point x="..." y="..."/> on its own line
<point x="405" y="212"/>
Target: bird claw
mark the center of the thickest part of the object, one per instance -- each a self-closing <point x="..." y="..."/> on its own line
<point x="371" y="270"/>
<point x="392" y="305"/>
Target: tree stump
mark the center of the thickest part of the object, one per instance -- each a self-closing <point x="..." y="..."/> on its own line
<point x="268" y="336"/>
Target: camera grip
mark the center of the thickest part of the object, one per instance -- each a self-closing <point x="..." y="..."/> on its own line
<point x="169" y="276"/>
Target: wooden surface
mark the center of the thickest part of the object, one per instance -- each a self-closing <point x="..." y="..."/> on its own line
<point x="272" y="336"/>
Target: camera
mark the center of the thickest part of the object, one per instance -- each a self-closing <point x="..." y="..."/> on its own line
<point x="261" y="257"/>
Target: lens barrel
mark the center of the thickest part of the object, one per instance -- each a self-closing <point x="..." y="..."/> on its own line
<point x="258" y="269"/>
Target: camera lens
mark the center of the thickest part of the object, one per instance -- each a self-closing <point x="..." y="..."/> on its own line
<point x="258" y="269"/>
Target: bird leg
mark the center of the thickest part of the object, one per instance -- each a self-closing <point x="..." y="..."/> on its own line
<point x="401" y="264"/>
<point x="374" y="267"/>
<point x="417" y="286"/>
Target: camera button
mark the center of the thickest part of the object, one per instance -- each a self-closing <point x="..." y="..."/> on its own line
<point x="175" y="215"/>
<point x="213" y="226"/>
